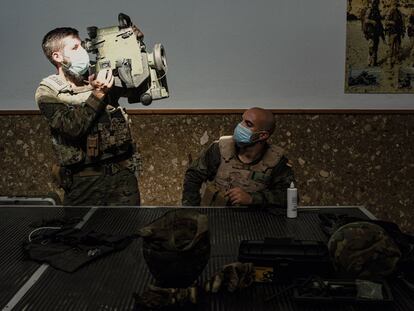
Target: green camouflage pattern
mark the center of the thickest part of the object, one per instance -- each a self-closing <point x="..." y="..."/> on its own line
<point x="233" y="276"/>
<point x="76" y="116"/>
<point x="176" y="247"/>
<point x="112" y="189"/>
<point x="204" y="170"/>
<point x="113" y="130"/>
<point x="156" y="298"/>
<point x="363" y="250"/>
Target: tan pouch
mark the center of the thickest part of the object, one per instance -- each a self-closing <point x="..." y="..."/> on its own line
<point x="213" y="196"/>
<point x="56" y="177"/>
<point x="92" y="146"/>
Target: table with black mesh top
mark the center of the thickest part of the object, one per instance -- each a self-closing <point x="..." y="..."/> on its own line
<point x="109" y="283"/>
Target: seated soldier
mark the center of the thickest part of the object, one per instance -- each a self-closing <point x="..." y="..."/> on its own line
<point x="242" y="169"/>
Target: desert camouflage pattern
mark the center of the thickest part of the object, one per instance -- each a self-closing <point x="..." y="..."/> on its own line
<point x="395" y="31"/>
<point x="232" y="173"/>
<point x="373" y="30"/>
<point x="218" y="170"/>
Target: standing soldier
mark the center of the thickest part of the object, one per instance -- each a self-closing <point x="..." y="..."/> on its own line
<point x="395" y="31"/>
<point x="90" y="131"/>
<point x="373" y="31"/>
<point x="410" y="33"/>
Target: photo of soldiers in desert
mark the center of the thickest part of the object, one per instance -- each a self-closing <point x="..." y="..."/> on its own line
<point x="380" y="46"/>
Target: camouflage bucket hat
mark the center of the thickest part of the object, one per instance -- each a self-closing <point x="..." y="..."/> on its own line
<point x="363" y="250"/>
<point x="176" y="247"/>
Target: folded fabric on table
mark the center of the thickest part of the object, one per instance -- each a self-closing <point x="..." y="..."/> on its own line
<point x="69" y="249"/>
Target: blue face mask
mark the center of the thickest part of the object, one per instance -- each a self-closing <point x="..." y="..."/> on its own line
<point x="242" y="135"/>
<point x="79" y="62"/>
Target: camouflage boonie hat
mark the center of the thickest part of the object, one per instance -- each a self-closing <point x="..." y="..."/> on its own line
<point x="363" y="250"/>
<point x="176" y="247"/>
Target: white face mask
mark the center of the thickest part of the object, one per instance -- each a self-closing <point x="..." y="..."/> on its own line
<point x="78" y="62"/>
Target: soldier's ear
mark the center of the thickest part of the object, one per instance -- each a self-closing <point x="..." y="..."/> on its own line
<point x="264" y="135"/>
<point x="57" y="57"/>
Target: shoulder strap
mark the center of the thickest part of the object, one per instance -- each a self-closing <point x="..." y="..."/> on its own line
<point x="55" y="83"/>
<point x="58" y="85"/>
<point x="227" y="147"/>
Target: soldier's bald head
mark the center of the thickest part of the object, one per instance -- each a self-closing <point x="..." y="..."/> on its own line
<point x="263" y="119"/>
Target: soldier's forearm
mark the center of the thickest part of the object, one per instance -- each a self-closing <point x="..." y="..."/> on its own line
<point x="191" y="197"/>
<point x="95" y="102"/>
<point x="191" y="188"/>
<point x="276" y="194"/>
<point x="277" y="198"/>
<point x="190" y="200"/>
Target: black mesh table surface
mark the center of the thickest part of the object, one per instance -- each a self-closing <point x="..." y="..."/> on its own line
<point x="110" y="282"/>
<point x="15" y="225"/>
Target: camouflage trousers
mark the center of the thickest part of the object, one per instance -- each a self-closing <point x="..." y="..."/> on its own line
<point x="412" y="51"/>
<point x="373" y="51"/>
<point x="117" y="189"/>
<point x="394" y="49"/>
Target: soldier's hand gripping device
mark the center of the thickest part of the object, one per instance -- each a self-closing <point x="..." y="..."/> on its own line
<point x="141" y="74"/>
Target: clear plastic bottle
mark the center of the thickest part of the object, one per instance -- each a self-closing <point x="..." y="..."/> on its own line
<point x="292" y="201"/>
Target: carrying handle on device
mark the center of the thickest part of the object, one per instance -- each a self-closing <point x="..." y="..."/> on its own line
<point x="124" y="21"/>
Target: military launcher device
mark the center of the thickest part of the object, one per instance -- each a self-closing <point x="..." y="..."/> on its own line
<point x="140" y="73"/>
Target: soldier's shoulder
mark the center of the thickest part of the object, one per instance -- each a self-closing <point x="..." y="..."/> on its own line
<point x="54" y="83"/>
<point x="214" y="149"/>
<point x="227" y="147"/>
<point x="44" y="94"/>
<point x="215" y="145"/>
<point x="273" y="155"/>
<point x="276" y="151"/>
<point x="226" y="140"/>
<point x="49" y="88"/>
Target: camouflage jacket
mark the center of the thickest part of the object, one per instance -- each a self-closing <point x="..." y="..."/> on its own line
<point x="80" y="122"/>
<point x="410" y="26"/>
<point x="394" y="22"/>
<point x="371" y="24"/>
<point x="205" y="168"/>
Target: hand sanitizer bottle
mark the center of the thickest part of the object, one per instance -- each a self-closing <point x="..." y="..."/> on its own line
<point x="292" y="201"/>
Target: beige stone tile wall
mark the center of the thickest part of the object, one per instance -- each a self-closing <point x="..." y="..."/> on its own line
<point x="339" y="159"/>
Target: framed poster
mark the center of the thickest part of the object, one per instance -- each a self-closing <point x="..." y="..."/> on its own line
<point x="380" y="46"/>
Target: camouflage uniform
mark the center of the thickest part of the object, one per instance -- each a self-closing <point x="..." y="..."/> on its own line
<point x="363" y="250"/>
<point x="395" y="31"/>
<point x="93" y="143"/>
<point x="266" y="179"/>
<point x="176" y="247"/>
<point x="373" y="31"/>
